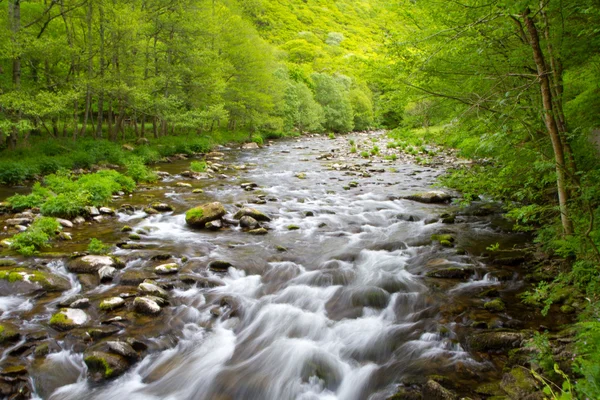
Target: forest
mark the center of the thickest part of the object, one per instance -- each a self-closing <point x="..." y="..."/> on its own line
<point x="512" y="85"/>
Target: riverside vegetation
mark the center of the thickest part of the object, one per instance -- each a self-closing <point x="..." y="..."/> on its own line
<point x="93" y="94"/>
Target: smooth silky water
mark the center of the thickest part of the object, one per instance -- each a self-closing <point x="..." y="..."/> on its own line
<point x="338" y="309"/>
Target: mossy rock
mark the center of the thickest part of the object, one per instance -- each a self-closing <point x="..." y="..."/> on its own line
<point x="434" y="391"/>
<point x="111" y="303"/>
<point x="102" y="366"/>
<point x="8" y="333"/>
<point x="252" y="212"/>
<point x="134" y="236"/>
<point x="167" y="269"/>
<point x="68" y="318"/>
<point x="495" y="305"/>
<point x="199" y="216"/>
<point x="519" y="383"/>
<point x="133" y="277"/>
<point x="445" y="240"/>
<point x="451" y="273"/>
<point x="490" y="389"/>
<point x="27" y="280"/>
<point x="92" y="264"/>
<point x="434" y="196"/>
<point x="219" y="265"/>
<point x="293" y="227"/>
<point x="258" y="232"/>
<point x="126" y="229"/>
<point x="7" y="262"/>
<point x="495" y="341"/>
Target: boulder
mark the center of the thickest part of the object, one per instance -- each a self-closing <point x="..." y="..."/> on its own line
<point x="258" y="232"/>
<point x="146" y="306"/>
<point x="434" y="391"/>
<point x="92" y="264"/>
<point x="162" y="207"/>
<point x="252" y="212"/>
<point x="18" y="221"/>
<point x="214" y="225"/>
<point x="151" y="289"/>
<point x="219" y="266"/>
<point x="25" y="280"/>
<point x="248" y="222"/>
<point x="8" y="333"/>
<point x="111" y="303"/>
<point x="250" y="146"/>
<point x="102" y="365"/>
<point x="451" y="273"/>
<point x="123" y="349"/>
<point x="65" y="223"/>
<point x="199" y="216"/>
<point x="68" y="318"/>
<point x="107" y="211"/>
<point x="166" y="269"/>
<point x="107" y="273"/>
<point x="133" y="277"/>
<point x="519" y="384"/>
<point x="434" y="196"/>
<point x="495" y="341"/>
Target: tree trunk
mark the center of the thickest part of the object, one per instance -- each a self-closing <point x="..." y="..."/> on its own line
<point x="143" y="128"/>
<point x="111" y="130"/>
<point x="550" y="122"/>
<point x="101" y="96"/>
<point x="155" y="127"/>
<point x="90" y="68"/>
<point x="14" y="12"/>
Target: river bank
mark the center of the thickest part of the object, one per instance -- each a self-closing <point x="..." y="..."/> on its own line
<point x="353" y="290"/>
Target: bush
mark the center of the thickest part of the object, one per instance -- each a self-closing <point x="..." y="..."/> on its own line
<point x="37" y="197"/>
<point x="66" y="205"/>
<point x="258" y="139"/>
<point x="198" y="166"/>
<point x="13" y="173"/>
<point x="39" y="234"/>
<point x="97" y="247"/>
<point x="139" y="172"/>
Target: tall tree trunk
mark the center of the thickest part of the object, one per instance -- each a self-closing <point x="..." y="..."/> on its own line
<point x="155" y="126"/>
<point x="550" y="122"/>
<point x="14" y="12"/>
<point x="90" y="67"/>
<point x="101" y="96"/>
<point x="557" y="92"/>
<point x="143" y="128"/>
<point x="109" y="121"/>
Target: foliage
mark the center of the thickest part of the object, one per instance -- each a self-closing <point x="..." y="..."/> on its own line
<point x="198" y="166"/>
<point x="139" y="172"/>
<point x="36" y="237"/>
<point x="97" y="247"/>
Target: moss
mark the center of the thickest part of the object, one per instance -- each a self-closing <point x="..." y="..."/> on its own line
<point x="194" y="213"/>
<point x="126" y="228"/>
<point x="443" y="238"/>
<point x="60" y="319"/>
<point x="6" y="262"/>
<point x="96" y="362"/>
<point x="8" y="334"/>
<point x="293" y="227"/>
<point x="495" y="305"/>
<point x="134" y="236"/>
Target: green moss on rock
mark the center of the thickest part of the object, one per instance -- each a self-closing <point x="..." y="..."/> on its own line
<point x="495" y="305"/>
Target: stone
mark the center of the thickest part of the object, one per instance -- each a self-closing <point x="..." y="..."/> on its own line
<point x="65" y="223"/>
<point x="432" y="390"/>
<point x="134" y="236"/>
<point x="79" y="220"/>
<point x="126" y="229"/>
<point x="133" y="277"/>
<point x="250" y="146"/>
<point x="293" y="227"/>
<point x="162" y="207"/>
<point x="18" y="221"/>
<point x="197" y="191"/>
<point x="142" y="141"/>
<point x="128" y="147"/>
<point x="166" y="269"/>
<point x="151" y="289"/>
<point x="434" y="196"/>
<point x="495" y="341"/>
<point x="451" y="273"/>
<point x="107" y="211"/>
<point x="163" y="174"/>
<point x="65" y="236"/>
<point x="7" y="262"/>
<point x="92" y="264"/>
<point x="8" y="333"/>
<point x="98" y="219"/>
<point x="26" y="280"/>
<point x="300" y="175"/>
<point x="219" y="266"/>
<point x="123" y="349"/>
<point x="68" y="318"/>
<point x="183" y="184"/>
<point x="248" y="222"/>
<point x="518" y="383"/>
<point x="145" y="305"/>
<point x="199" y="216"/>
<point x="248" y="186"/>
<point x="111" y="303"/>
<point x="252" y="212"/>
<point x="495" y="305"/>
<point x="102" y="366"/>
<point x="214" y="225"/>
<point x="80" y="303"/>
<point x="258" y="232"/>
<point x="151" y="211"/>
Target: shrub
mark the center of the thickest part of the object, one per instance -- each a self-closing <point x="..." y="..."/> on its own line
<point x="97" y="247"/>
<point x="36" y="237"/>
<point x="37" y="197"/>
<point x="353" y="149"/>
<point x="66" y="205"/>
<point x="364" y="154"/>
<point x="198" y="166"/>
<point x="258" y="139"/>
<point x="13" y="173"/>
<point x="139" y="172"/>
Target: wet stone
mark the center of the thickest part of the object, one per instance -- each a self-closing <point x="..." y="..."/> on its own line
<point x="111" y="303"/>
<point x="219" y="266"/>
<point x="152" y="289"/>
<point x="147" y="306"/>
<point x="166" y="269"/>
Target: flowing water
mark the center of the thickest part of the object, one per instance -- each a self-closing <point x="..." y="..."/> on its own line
<point x="339" y="308"/>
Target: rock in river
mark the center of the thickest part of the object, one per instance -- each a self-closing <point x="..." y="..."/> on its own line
<point x="434" y="196"/>
<point x="68" y="318"/>
<point x="252" y="212"/>
<point x="25" y="280"/>
<point x="92" y="264"/>
<point x="103" y="365"/>
<point x="199" y="216"/>
<point x="146" y="305"/>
